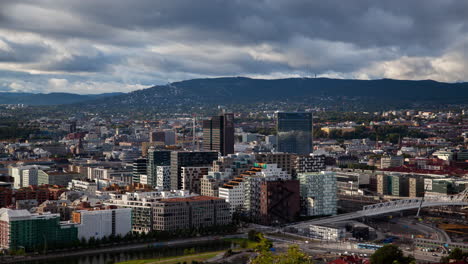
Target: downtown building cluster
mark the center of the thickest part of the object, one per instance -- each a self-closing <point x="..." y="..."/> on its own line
<point x="190" y="174"/>
<point x="161" y="186"/>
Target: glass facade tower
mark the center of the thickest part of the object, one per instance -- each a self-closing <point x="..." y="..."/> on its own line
<point x="294" y="132"/>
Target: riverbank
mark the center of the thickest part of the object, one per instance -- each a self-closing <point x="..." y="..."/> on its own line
<point x="177" y="259"/>
<point x="113" y="250"/>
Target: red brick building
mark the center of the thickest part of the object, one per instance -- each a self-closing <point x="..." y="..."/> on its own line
<point x="39" y="193"/>
<point x="6" y="197"/>
<point x="279" y="201"/>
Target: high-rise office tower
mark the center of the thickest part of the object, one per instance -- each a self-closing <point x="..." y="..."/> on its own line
<point x="218" y="134"/>
<point x="157" y="158"/>
<point x="294" y="132"/>
<point x="139" y="168"/>
<point x="181" y="159"/>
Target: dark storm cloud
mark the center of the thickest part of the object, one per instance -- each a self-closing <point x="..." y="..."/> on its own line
<point x="161" y="40"/>
<point x="18" y="52"/>
<point x="366" y="23"/>
<point x="81" y="63"/>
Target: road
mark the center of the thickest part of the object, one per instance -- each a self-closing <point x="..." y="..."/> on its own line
<point x="425" y="228"/>
<point x="324" y="247"/>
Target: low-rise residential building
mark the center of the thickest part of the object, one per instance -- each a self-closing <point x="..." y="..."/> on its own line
<point x="190" y="212"/>
<point x="327" y="232"/>
<point x="284" y="161"/>
<point x="57" y="177"/>
<point x="142" y="204"/>
<point x="391" y="162"/>
<point x="83" y="186"/>
<point x="61" y="207"/>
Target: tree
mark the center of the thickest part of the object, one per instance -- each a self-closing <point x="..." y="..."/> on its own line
<point x="390" y="254"/>
<point x="83" y="242"/>
<point x="252" y="235"/>
<point x="263" y="244"/>
<point x="456" y="254"/>
<point x="293" y="255"/>
<point x="244" y="244"/>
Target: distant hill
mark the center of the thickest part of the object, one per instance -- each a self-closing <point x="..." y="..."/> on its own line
<point x="185" y="95"/>
<point x="49" y="99"/>
<point x="320" y="91"/>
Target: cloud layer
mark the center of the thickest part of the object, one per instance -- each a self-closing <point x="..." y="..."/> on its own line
<point x="115" y="45"/>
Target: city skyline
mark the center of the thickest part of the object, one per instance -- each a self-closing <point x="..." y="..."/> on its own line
<point x="217" y="131"/>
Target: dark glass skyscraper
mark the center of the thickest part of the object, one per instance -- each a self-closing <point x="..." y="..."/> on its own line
<point x="181" y="159"/>
<point x="156" y="158"/>
<point x="218" y="134"/>
<point x="139" y="167"/>
<point x="294" y="132"/>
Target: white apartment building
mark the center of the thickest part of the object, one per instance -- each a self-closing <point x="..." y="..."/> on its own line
<point x="141" y="204"/>
<point x="25" y="176"/>
<point x="233" y="193"/>
<point x="244" y="191"/>
<point x="83" y="186"/>
<point x="103" y="223"/>
<point x="443" y="155"/>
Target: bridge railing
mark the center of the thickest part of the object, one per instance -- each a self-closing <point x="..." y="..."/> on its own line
<point x="416" y="201"/>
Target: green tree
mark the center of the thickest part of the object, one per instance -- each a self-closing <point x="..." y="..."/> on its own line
<point x="390" y="254"/>
<point x="244" y="244"/>
<point x="293" y="256"/>
<point x="263" y="244"/>
<point x="456" y="254"/>
<point x="252" y="235"/>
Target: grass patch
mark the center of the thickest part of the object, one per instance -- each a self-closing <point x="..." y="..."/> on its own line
<point x="176" y="259"/>
<point x="242" y="242"/>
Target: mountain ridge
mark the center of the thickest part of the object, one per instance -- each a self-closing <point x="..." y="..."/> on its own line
<point x="244" y="90"/>
<point x="189" y="95"/>
<point x="54" y="98"/>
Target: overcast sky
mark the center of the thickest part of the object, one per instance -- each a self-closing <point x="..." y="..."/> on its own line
<point x="97" y="46"/>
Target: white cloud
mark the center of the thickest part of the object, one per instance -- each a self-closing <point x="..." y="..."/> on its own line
<point x="113" y="45"/>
